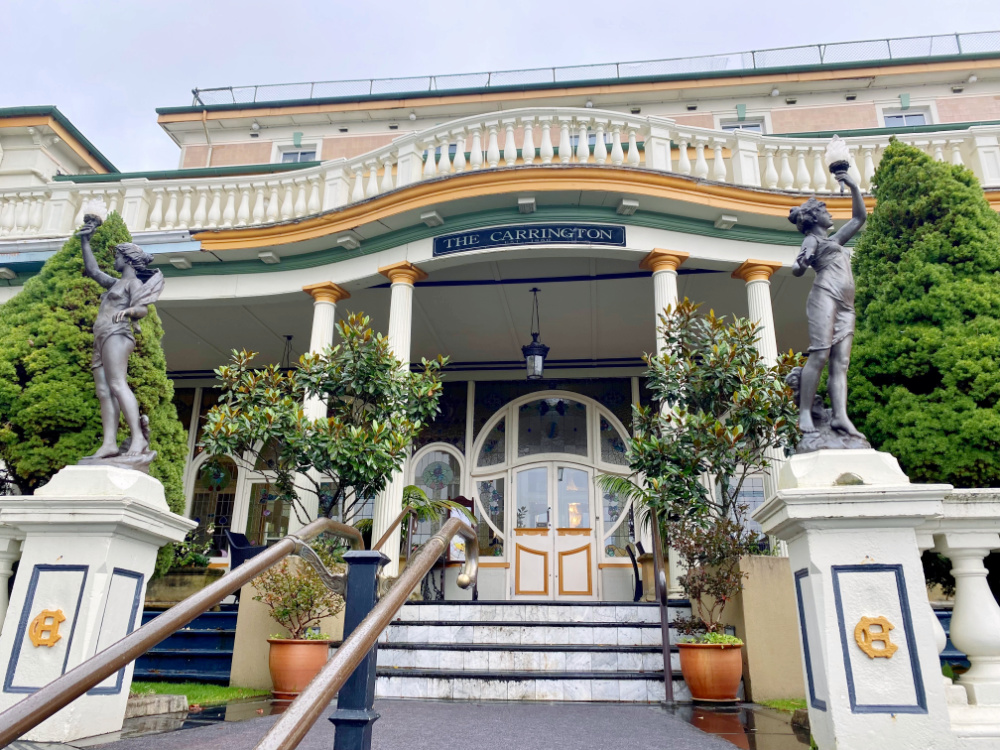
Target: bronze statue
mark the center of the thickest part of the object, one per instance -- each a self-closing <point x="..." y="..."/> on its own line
<point x="123" y="304"/>
<point x="830" y="311"/>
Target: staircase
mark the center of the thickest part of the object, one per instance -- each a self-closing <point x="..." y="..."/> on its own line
<point x="590" y="651"/>
<point x="201" y="652"/>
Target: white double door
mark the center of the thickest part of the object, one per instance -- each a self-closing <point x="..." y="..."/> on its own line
<point x="555" y="552"/>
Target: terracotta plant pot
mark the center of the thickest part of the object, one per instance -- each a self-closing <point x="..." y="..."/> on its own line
<point x="293" y="664"/>
<point x="712" y="672"/>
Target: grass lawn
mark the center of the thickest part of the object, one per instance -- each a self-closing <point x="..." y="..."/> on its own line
<point x="197" y="692"/>
<point x="789" y="705"/>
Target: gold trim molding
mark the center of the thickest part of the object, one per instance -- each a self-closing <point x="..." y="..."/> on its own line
<point x="756" y="270"/>
<point x="326" y="291"/>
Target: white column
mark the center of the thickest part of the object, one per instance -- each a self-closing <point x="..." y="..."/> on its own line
<point x="10" y="553"/>
<point x="664" y="265"/>
<point x="326" y="295"/>
<point x="403" y="275"/>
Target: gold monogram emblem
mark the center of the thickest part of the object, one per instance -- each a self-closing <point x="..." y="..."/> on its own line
<point x="867" y="638"/>
<point x="44" y="629"/>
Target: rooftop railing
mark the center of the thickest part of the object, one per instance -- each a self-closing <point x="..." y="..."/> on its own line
<point x="838" y="53"/>
<point x="524" y="138"/>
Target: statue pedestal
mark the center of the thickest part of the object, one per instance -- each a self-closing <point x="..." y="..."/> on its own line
<point x="90" y="541"/>
<point x="869" y="649"/>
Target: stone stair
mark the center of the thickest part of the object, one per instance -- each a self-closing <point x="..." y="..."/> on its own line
<point x="588" y="651"/>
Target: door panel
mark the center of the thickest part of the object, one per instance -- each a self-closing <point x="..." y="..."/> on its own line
<point x="532" y="533"/>
<point x="575" y="557"/>
<point x="575" y="571"/>
<point x="531" y="568"/>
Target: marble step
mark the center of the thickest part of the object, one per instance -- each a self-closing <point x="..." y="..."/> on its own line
<point x="528" y="633"/>
<point x="524" y="658"/>
<point x="623" y="687"/>
<point x="592" y="612"/>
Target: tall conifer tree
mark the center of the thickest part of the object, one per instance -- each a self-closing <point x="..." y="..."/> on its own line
<point x="925" y="373"/>
<point x="49" y="413"/>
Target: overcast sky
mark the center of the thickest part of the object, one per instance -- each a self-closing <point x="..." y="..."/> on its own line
<point x="107" y="65"/>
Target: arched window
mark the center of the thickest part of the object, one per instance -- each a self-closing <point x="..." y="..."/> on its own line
<point x="437" y="470"/>
<point x="212" y="502"/>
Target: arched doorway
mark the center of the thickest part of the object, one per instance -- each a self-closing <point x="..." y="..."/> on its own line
<point x="533" y="478"/>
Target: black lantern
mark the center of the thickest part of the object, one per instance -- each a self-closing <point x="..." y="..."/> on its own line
<point x="535" y="352"/>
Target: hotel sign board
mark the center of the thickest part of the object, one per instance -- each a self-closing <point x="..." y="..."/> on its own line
<point x="530" y="234"/>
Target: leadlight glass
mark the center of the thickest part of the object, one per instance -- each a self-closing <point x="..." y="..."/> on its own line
<point x="494" y="450"/>
<point x="613" y="448"/>
<point x="267" y="521"/>
<point x="212" y="503"/>
<point x="552" y="425"/>
<point x="573" y="495"/>
<point x="751" y="495"/>
<point x="439" y="475"/>
<point x="491" y="500"/>
<point x="612" y="508"/>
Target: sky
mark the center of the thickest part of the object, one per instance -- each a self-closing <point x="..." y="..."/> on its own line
<point x="108" y="64"/>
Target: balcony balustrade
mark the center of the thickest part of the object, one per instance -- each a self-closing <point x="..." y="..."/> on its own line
<point x="534" y="137"/>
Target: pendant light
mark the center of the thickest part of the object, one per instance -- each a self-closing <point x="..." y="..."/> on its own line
<point x="535" y="352"/>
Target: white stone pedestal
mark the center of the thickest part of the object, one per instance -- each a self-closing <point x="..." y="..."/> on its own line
<point x="90" y="541"/>
<point x="849" y="518"/>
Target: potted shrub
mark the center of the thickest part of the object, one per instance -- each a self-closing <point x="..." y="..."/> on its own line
<point x="298" y="600"/>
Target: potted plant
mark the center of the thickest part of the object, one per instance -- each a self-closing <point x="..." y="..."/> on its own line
<point x="720" y="413"/>
<point x="298" y="600"/>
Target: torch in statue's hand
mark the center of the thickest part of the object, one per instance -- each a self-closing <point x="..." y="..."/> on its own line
<point x="95" y="211"/>
<point x="838" y="161"/>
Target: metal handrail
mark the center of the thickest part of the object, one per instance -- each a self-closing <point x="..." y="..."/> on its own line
<point x="392" y="527"/>
<point x="659" y="573"/>
<point x="305" y="710"/>
<point x="25" y="715"/>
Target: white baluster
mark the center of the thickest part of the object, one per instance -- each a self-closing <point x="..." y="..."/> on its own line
<point x="819" y="170"/>
<point x="259" y="202"/>
<point x="274" y="203"/>
<point x="493" y="147"/>
<point x="21" y="213"/>
<point x="35" y="214"/>
<point x="633" y="148"/>
<point x="956" y="153"/>
<point x="430" y="164"/>
<point x="700" y="163"/>
<point x="114" y="197"/>
<point x="371" y="189"/>
<point x="528" y="146"/>
<point x="358" y="190"/>
<point x="617" y="155"/>
<point x="302" y="197"/>
<point x="868" y="152"/>
<point x="600" y="147"/>
<point x="509" y="146"/>
<point x="853" y="170"/>
<point x="6" y="215"/>
<point x="444" y="164"/>
<point x="184" y="218"/>
<point x="384" y="187"/>
<point x="476" y="153"/>
<point x="201" y="210"/>
<point x="719" y="163"/>
<point x="156" y="215"/>
<point x="683" y="159"/>
<point x="460" y="163"/>
<point x="229" y="212"/>
<point x="565" y="145"/>
<point x="170" y="218"/>
<point x="582" y="142"/>
<point x="84" y="196"/>
<point x="938" y="147"/>
<point x="288" y="200"/>
<point x="243" y="211"/>
<point x="803" y="179"/>
<point x="787" y="178"/>
<point x="546" y="151"/>
<point x="215" y="211"/>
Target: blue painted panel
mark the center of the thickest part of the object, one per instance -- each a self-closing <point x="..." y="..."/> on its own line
<point x="813" y="700"/>
<point x="138" y="578"/>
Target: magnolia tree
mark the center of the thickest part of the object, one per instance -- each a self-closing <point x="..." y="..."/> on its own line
<point x="719" y="411"/>
<point x="374" y="404"/>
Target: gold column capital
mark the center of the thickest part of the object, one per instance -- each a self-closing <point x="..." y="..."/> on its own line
<point x="663" y="260"/>
<point x="326" y="291"/>
<point x="402" y="272"/>
<point x="756" y="270"/>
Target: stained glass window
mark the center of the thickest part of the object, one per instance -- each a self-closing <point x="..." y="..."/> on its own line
<point x="267" y="521"/>
<point x="491" y="501"/>
<point x="439" y="475"/>
<point x="612" y="508"/>
<point x="212" y="503"/>
<point x="494" y="450"/>
<point x="613" y="448"/>
<point x="752" y="496"/>
<point x="552" y="425"/>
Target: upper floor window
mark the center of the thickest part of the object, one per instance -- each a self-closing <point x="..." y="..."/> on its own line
<point x="752" y="126"/>
<point x="902" y="119"/>
<point x="293" y="157"/>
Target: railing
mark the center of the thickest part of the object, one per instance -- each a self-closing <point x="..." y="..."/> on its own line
<point x="660" y="587"/>
<point x="40" y="705"/>
<point x="871" y="50"/>
<point x="532" y="137"/>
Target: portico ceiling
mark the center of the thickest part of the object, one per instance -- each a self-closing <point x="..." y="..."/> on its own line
<point x="596" y="315"/>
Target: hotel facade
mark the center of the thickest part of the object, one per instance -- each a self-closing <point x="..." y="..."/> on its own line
<point x="437" y="205"/>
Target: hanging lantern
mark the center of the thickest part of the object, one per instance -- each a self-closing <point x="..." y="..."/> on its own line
<point x="535" y="352"/>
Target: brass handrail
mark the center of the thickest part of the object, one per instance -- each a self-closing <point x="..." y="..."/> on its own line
<point x="392" y="527"/>
<point x="24" y="716"/>
<point x="660" y="587"/>
<point x="305" y="710"/>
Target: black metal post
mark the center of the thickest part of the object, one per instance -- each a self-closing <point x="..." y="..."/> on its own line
<point x="354" y="715"/>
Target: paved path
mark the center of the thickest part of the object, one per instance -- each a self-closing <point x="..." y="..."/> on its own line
<point x="431" y="725"/>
